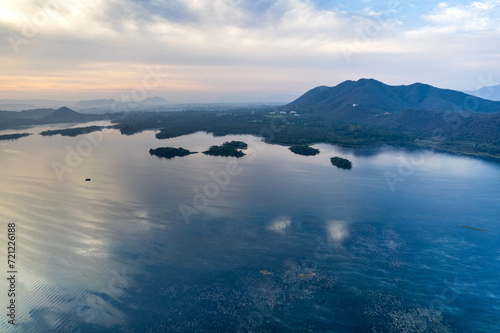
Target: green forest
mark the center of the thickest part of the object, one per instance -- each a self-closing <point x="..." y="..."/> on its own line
<point x="304" y="150"/>
<point x="227" y="149"/>
<point x="341" y="162"/>
<point x="170" y="152"/>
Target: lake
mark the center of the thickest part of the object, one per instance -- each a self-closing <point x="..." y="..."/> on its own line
<point x="271" y="242"/>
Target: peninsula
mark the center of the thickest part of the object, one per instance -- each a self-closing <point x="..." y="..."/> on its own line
<point x="73" y="131"/>
<point x="13" y="136"/>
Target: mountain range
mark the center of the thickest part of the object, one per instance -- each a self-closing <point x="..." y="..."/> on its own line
<point x="112" y="105"/>
<point x="98" y="105"/>
<point x="14" y="119"/>
<point x="490" y="92"/>
<point x="20" y="105"/>
<point x="433" y="115"/>
<point x="368" y="98"/>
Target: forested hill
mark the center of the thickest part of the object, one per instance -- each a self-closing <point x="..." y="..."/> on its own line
<point x="355" y="100"/>
<point x="443" y="118"/>
<point x="13" y="119"/>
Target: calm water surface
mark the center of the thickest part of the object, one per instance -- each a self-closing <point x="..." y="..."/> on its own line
<point x="282" y="243"/>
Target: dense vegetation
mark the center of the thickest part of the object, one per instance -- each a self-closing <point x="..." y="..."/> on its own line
<point x="304" y="150"/>
<point x="341" y="162"/>
<point x="13" y="136"/>
<point x="170" y="152"/>
<point x="473" y="134"/>
<point x="315" y="120"/>
<point x="235" y="145"/>
<point x="73" y="131"/>
<point x="228" y="149"/>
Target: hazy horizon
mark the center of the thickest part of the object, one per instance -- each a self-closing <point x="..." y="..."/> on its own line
<point x="228" y="99"/>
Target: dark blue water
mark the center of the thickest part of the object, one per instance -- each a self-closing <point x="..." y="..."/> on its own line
<point x="271" y="242"/>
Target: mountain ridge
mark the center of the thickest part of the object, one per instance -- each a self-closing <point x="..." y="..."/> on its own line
<point x="14" y="119"/>
<point x="489" y="92"/>
<point x="108" y="104"/>
<point x="432" y="117"/>
<point x="350" y="100"/>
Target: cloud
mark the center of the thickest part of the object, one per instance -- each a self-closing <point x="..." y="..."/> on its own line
<point x="234" y="45"/>
<point x="222" y="27"/>
<point x="202" y="39"/>
<point x="280" y="225"/>
<point x="476" y="16"/>
<point x="337" y="231"/>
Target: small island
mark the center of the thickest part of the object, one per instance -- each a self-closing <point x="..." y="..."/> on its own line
<point x="304" y="150"/>
<point x="228" y="149"/>
<point x="173" y="133"/>
<point x="73" y="131"/>
<point x="13" y="136"/>
<point x="340" y="162"/>
<point x="170" y="152"/>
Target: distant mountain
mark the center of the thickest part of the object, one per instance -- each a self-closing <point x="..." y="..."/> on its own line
<point x="63" y="114"/>
<point x="368" y="98"/>
<point x="17" y="107"/>
<point x="112" y="105"/>
<point x="95" y="104"/>
<point x="13" y="119"/>
<point x="242" y="99"/>
<point x="492" y="93"/>
<point x="442" y="118"/>
<point x="36" y="114"/>
<point x="154" y="101"/>
<point x="29" y="104"/>
<point x="45" y="115"/>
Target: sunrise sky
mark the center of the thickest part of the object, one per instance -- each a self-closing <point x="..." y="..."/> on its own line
<point x="200" y="50"/>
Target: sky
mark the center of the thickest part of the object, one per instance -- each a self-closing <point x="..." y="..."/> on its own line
<point x="201" y="50"/>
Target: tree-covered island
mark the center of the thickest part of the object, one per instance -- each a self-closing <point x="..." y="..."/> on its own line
<point x="170" y="152"/>
<point x="13" y="136"/>
<point x="340" y="162"/>
<point x="304" y="150"/>
<point x="227" y="149"/>
<point x="73" y="131"/>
